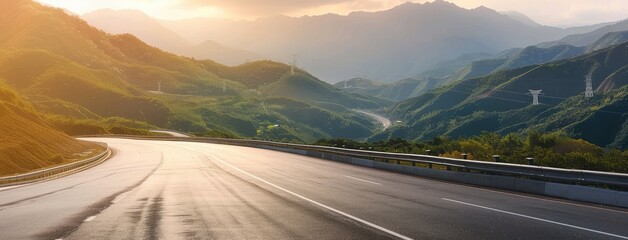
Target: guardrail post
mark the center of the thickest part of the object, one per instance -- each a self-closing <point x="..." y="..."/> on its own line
<point x="496" y="158"/>
<point x="464" y="156"/>
<point x="428" y="152"/>
<point x="429" y="165"/>
<point x="530" y="161"/>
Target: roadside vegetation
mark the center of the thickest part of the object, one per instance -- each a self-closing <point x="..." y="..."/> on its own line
<point x="551" y="150"/>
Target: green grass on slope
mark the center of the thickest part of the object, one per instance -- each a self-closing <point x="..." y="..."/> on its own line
<point x="28" y="142"/>
<point x="307" y="88"/>
<point x="79" y="77"/>
<point x="499" y="103"/>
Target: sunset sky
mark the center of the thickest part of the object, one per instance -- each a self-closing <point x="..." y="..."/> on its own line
<point x="548" y="12"/>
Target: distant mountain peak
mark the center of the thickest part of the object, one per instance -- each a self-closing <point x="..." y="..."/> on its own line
<point x="434" y="5"/>
<point x="522" y="18"/>
<point x="441" y="3"/>
<point x="483" y="8"/>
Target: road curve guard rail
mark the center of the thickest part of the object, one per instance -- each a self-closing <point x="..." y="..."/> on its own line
<point x="617" y="181"/>
<point x="568" y="176"/>
<point x="579" y="185"/>
<point x="56" y="172"/>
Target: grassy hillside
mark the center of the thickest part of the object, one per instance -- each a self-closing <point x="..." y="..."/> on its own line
<point x="443" y="75"/>
<point x="307" y="88"/>
<point x="29" y="142"/>
<point x="397" y="91"/>
<point x="609" y="39"/>
<point x="499" y="102"/>
<point x="83" y="77"/>
<point x="477" y="65"/>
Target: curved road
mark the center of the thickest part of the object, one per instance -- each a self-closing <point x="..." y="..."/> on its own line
<point x="171" y="133"/>
<point x="383" y="120"/>
<point x="179" y="190"/>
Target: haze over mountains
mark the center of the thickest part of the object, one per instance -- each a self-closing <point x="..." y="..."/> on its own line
<point x="476" y="65"/>
<point x="87" y="81"/>
<point x="500" y="102"/>
<point x="155" y="33"/>
<point x="386" y="46"/>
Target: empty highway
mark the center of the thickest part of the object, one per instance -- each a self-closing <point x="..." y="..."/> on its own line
<point x="180" y="190"/>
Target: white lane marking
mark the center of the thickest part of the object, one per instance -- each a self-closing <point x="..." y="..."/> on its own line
<point x="119" y="197"/>
<point x="536" y="218"/>
<point x="319" y="204"/>
<point x="545" y="199"/>
<point x="359" y="179"/>
<point x="89" y="219"/>
<point x="489" y="190"/>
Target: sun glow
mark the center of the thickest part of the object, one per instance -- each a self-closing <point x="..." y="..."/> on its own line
<point x="553" y="13"/>
<point x="163" y="9"/>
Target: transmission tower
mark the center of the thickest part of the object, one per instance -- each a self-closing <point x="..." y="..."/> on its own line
<point x="589" y="87"/>
<point x="294" y="63"/>
<point x="535" y="96"/>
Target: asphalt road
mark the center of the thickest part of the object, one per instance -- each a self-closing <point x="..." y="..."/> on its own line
<point x="178" y="190"/>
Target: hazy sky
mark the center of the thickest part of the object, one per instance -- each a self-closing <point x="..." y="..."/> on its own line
<point x="548" y="12"/>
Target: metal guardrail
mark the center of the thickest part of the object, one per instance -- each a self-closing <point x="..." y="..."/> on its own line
<point x="55" y="171"/>
<point x="568" y="176"/>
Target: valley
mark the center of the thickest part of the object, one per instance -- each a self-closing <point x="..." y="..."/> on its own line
<point x="334" y="119"/>
<point x="124" y="79"/>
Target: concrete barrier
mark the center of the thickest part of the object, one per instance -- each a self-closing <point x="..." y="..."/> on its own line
<point x="558" y="190"/>
<point x="554" y="182"/>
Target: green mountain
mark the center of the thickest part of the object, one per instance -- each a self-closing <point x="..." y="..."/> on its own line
<point x="397" y="91"/>
<point x="86" y="81"/>
<point x="453" y="71"/>
<point x="306" y="87"/>
<point x="476" y="65"/>
<point x="518" y="58"/>
<point x="500" y="102"/>
<point x="358" y="83"/>
<point x="609" y="39"/>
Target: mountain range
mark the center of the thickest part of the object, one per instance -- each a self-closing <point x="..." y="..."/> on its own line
<point x="500" y="102"/>
<point x="78" y="79"/>
<point x="335" y="47"/>
<point x="154" y="33"/>
<point x="87" y="81"/>
<point x="477" y="65"/>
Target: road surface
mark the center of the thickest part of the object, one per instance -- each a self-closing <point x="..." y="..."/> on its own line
<point x="179" y="190"/>
<point x="383" y="120"/>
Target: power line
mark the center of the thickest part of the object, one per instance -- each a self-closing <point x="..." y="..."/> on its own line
<point x="542" y="104"/>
